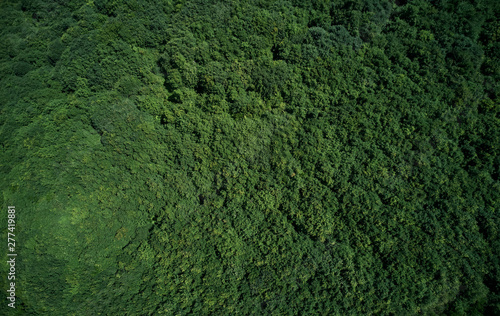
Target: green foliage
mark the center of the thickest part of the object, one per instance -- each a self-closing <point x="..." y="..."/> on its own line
<point x="268" y="157"/>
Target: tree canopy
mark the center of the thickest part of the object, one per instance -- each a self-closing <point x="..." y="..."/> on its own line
<point x="277" y="157"/>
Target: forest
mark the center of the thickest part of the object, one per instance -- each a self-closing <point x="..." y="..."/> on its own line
<point x="267" y="157"/>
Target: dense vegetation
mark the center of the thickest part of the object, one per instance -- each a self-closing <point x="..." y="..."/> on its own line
<point x="252" y="157"/>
